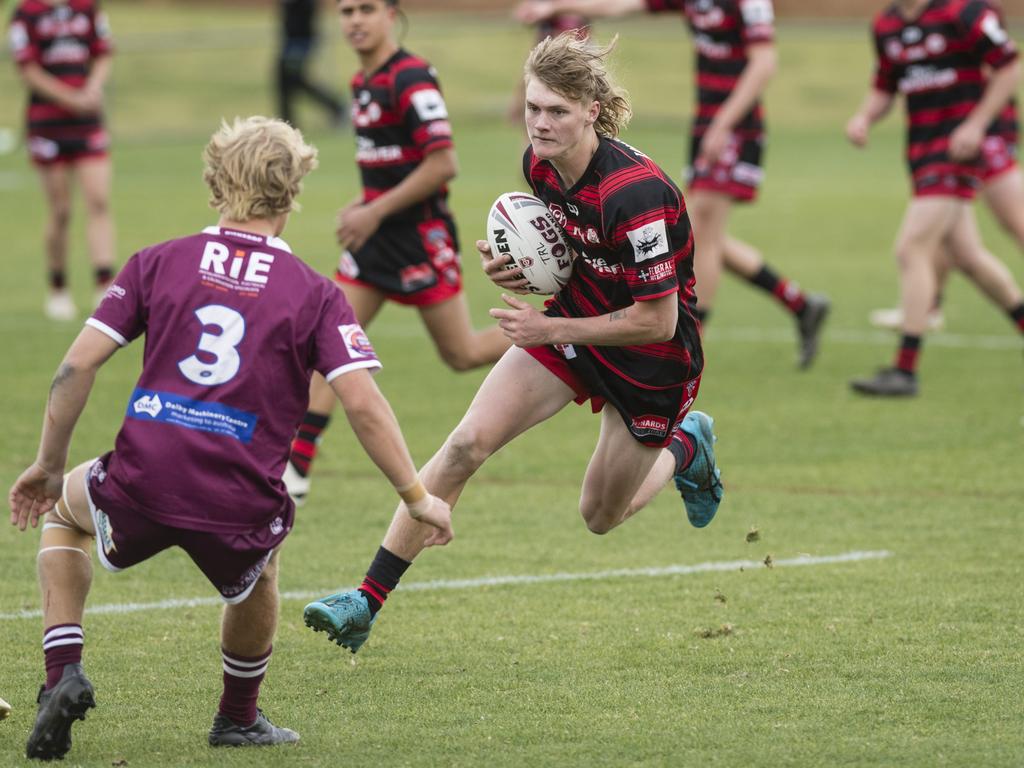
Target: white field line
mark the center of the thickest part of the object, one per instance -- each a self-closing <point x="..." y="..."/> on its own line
<point x="864" y="337"/>
<point x="498" y="581"/>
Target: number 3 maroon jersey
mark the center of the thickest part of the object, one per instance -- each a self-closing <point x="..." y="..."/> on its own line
<point x="235" y="325"/>
<point x="627" y="222"/>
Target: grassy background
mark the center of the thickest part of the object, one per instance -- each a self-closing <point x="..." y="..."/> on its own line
<point x="912" y="660"/>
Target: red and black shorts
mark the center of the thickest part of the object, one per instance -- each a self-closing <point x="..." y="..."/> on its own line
<point x="998" y="155"/>
<point x="126" y="536"/>
<point x="946" y="179"/>
<point x="737" y="173"/>
<point x="650" y="415"/>
<point x="416" y="264"/>
<point x="68" y="148"/>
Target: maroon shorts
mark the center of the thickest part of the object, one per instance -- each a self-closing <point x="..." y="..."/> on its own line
<point x="46" y="151"/>
<point x="650" y="415"/>
<point x="125" y="537"/>
<point x="414" y="264"/>
<point x="737" y="173"/>
<point x="998" y="155"/>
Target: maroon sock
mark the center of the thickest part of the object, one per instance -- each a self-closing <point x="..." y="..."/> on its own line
<point x="307" y="441"/>
<point x="62" y="644"/>
<point x="906" y="357"/>
<point x="242" y="678"/>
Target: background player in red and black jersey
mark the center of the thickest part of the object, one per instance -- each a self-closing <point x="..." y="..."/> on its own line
<point x="622" y="333"/>
<point x="62" y="49"/>
<point x="735" y="60"/>
<point x="399" y="239"/>
<point x="937" y="53"/>
<point x="1002" y="190"/>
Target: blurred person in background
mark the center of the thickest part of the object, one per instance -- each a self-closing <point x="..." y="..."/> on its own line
<point x="63" y="52"/>
<point x="736" y="59"/>
<point x="958" y="69"/>
<point x="298" y="41"/>
<point x="234" y="326"/>
<point x="399" y="241"/>
<point x="1002" y="190"/>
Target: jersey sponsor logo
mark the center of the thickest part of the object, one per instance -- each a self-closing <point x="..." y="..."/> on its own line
<point x="935" y="43"/>
<point x="925" y="78"/>
<point x="657" y="272"/>
<point x="372" y="154"/>
<point x="347" y="266"/>
<point x="757" y="12"/>
<point x="66" y="51"/>
<point x="416" y="277"/>
<point x="711" y="49"/>
<point x="17" y="37"/>
<point x="439" y="128"/>
<point x="601" y="266"/>
<point x="993" y="29"/>
<point x="366" y="115"/>
<point x="105" y="531"/>
<point x="649" y="240"/>
<point x="204" y="416"/>
<point x="912" y="35"/>
<point x="63" y="22"/>
<point x="706" y="15"/>
<point x="245" y="272"/>
<point x="356" y="341"/>
<point x="429" y="105"/>
<point x="649" y="425"/>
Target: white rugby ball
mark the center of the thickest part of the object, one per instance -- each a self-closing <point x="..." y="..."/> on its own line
<point x="521" y="226"/>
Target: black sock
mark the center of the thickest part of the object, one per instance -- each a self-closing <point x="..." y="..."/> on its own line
<point x="58" y="279"/>
<point x="384" y="573"/>
<point x="1017" y="315"/>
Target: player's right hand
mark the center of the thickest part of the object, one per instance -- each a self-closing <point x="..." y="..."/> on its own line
<point x="498" y="270"/>
<point x="34" y="494"/>
<point x="436" y="513"/>
<point x="857" y="130"/>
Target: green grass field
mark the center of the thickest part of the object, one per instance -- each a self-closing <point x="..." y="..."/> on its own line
<point x="909" y="659"/>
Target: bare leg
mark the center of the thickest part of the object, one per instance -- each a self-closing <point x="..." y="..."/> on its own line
<point x="925" y="225"/>
<point x="528" y="394"/>
<point x="458" y="344"/>
<point x="987" y="272"/>
<point x="94" y="176"/>
<point x="248" y="627"/>
<point x="56" y="181"/>
<point x="1005" y="197"/>
<point x="709" y="213"/>
<point x="741" y="258"/>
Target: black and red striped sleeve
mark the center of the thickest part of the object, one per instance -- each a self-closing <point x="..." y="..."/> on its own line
<point x="22" y="40"/>
<point x="885" y="78"/>
<point x="986" y="34"/>
<point x="100" y="43"/>
<point x="758" y="21"/>
<point x="424" y="112"/>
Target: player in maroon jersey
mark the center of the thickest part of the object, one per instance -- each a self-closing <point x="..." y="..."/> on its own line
<point x="1002" y="189"/>
<point x="735" y="60"/>
<point x="62" y="48"/>
<point x="399" y="239"/>
<point x="234" y="326"/>
<point x="622" y="333"/>
<point x="935" y="53"/>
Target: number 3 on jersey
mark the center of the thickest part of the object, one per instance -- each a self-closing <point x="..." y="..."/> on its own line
<point x="221" y="347"/>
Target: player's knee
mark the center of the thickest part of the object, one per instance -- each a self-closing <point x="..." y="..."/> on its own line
<point x="458" y="359"/>
<point x="465" y="450"/>
<point x="60" y="217"/>
<point x="97" y="205"/>
<point x="599" y="518"/>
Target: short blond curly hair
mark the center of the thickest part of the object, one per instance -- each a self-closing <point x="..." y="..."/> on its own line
<point x="577" y="69"/>
<point x="255" y="166"/>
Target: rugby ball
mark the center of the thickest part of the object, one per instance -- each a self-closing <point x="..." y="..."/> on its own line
<point x="521" y="226"/>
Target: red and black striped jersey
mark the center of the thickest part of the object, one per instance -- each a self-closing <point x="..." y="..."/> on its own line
<point x="722" y="32"/>
<point x="64" y="39"/>
<point x="937" y="60"/>
<point x="1007" y="125"/>
<point x="627" y="222"/>
<point x="399" y="117"/>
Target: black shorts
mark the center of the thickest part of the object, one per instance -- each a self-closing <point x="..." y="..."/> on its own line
<point x="650" y="415"/>
<point x="410" y="263"/>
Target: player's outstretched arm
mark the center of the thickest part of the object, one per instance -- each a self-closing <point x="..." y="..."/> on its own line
<point x="535" y="11"/>
<point x="377" y="429"/>
<point x="39" y="486"/>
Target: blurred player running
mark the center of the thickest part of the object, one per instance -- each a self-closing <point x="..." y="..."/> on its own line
<point x="62" y="49"/>
<point x="234" y="324"/>
<point x="1002" y="190"/>
<point x="935" y="52"/>
<point x="622" y="333"/>
<point x="399" y="238"/>
<point x="735" y="60"/>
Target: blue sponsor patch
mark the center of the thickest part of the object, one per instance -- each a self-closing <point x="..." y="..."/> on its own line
<point x="147" y="405"/>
